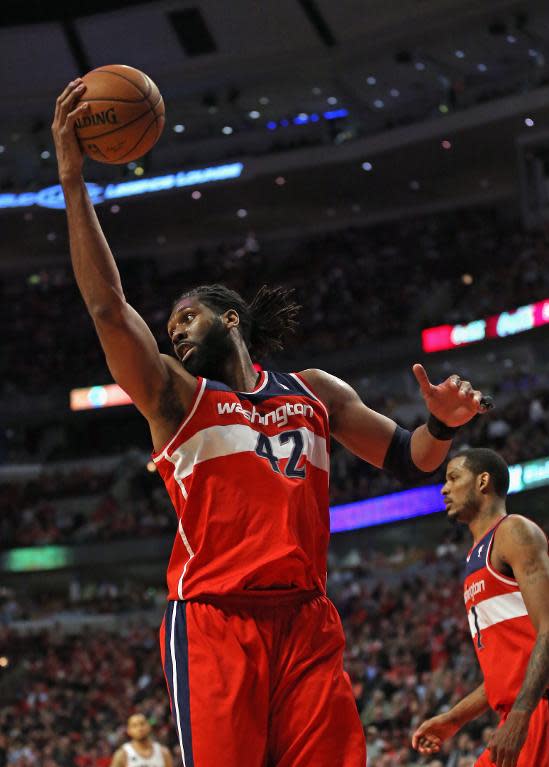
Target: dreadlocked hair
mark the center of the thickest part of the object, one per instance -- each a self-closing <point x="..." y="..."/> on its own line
<point x="264" y="323"/>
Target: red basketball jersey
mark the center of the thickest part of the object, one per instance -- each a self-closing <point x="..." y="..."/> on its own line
<point x="248" y="473"/>
<point x="503" y="634"/>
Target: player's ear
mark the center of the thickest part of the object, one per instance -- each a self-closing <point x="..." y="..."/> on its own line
<point x="231" y="318"/>
<point x="483" y="482"/>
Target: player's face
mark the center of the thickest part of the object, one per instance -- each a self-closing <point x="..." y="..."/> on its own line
<point x="460" y="492"/>
<point x="138" y="727"/>
<point x="200" y="338"/>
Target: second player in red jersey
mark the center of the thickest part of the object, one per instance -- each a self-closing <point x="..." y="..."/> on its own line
<point x="506" y="594"/>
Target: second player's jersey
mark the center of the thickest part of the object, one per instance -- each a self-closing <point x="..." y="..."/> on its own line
<point x="134" y="758"/>
<point x="503" y="634"/>
<point x="247" y="473"/>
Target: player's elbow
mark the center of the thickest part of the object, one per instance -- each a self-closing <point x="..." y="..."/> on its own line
<point x="108" y="312"/>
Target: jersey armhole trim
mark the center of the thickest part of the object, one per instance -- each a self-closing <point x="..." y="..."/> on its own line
<point x="492" y="570"/>
<point x="199" y="391"/>
<point x="309" y="391"/>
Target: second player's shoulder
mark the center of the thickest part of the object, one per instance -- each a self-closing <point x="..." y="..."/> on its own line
<point x="521" y="531"/>
<point x="519" y="537"/>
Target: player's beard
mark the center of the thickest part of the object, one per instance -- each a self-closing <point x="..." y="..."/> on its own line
<point x="210" y="355"/>
<point x="466" y="511"/>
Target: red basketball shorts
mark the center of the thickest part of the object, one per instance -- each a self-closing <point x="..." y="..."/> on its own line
<point x="260" y="686"/>
<point x="535" y="752"/>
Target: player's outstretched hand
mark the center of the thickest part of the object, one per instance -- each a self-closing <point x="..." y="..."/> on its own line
<point x="428" y="737"/>
<point x="70" y="157"/>
<point x="454" y="402"/>
<point x="507" y="741"/>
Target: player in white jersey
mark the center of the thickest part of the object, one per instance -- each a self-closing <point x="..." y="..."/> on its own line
<point x="141" y="750"/>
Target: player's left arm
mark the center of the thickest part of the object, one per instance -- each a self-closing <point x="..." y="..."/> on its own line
<point x="523" y="547"/>
<point x="168" y="761"/>
<point x="378" y="440"/>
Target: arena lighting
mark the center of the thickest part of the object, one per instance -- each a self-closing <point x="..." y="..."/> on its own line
<point x="52" y="196"/>
<point x="335" y="114"/>
<point x="36" y="558"/>
<point x="110" y="395"/>
<point x="498" y="326"/>
<point x="303" y="118"/>
<point x="420" y="501"/>
<point x="96" y="397"/>
<point x="417" y="502"/>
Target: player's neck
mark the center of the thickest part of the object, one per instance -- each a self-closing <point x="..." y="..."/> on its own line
<point x="239" y="372"/>
<point x="485" y="520"/>
<point x="143" y="746"/>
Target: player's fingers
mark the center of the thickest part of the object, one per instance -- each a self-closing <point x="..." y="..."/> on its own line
<point x="425" y="743"/>
<point x="465" y="389"/>
<point x="69" y="102"/>
<point x="69" y="88"/>
<point x="73" y="116"/>
<point x="428" y="748"/>
<point x="418" y="738"/>
<point x="476" y="400"/>
<point x="422" y="378"/>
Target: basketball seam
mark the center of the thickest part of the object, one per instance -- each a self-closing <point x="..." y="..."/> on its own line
<point x="115" y="130"/>
<point x="117" y="74"/>
<point x="123" y="101"/>
<point x="155" y="119"/>
<point x="158" y="117"/>
<point x="102" y="154"/>
<point x="153" y="107"/>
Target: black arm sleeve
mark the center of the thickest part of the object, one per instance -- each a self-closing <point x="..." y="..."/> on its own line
<point x="398" y="460"/>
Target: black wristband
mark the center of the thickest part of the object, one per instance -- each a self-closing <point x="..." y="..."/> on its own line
<point x="439" y="430"/>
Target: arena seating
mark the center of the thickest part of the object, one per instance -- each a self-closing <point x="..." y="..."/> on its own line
<point x="409" y="656"/>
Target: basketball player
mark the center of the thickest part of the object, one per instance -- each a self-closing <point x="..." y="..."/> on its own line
<point x="507" y="600"/>
<point x="252" y="648"/>
<point x="141" y="750"/>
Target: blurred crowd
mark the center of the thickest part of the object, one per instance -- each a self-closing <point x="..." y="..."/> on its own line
<point x="65" y="698"/>
<point x="377" y="284"/>
<point x="90" y="504"/>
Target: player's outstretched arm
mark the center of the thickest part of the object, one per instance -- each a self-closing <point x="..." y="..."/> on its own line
<point x="378" y="440"/>
<point x="430" y="735"/>
<point x="523" y="547"/>
<point x="130" y="348"/>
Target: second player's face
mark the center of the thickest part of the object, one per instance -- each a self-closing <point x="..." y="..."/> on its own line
<point x="460" y="493"/>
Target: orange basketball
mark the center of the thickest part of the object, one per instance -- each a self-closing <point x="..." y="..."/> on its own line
<point x="125" y="117"/>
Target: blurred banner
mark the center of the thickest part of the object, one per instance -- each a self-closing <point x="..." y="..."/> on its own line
<point x="498" y="326"/>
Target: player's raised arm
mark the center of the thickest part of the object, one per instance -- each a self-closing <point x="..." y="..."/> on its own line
<point x="523" y="547"/>
<point x="132" y="353"/>
<point x="378" y="440"/>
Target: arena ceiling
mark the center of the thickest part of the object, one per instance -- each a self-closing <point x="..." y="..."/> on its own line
<point x="390" y="65"/>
